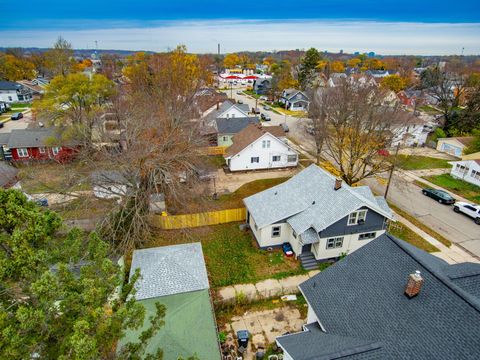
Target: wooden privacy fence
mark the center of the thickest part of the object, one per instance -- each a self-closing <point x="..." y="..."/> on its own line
<point x="199" y="219"/>
<point x="215" y="150"/>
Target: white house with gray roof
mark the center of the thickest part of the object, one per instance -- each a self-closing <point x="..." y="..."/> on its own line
<point x="318" y="215"/>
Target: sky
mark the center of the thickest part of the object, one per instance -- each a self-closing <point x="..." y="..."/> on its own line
<point x="387" y="27"/>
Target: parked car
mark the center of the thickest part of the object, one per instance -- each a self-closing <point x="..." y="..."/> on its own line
<point x="441" y="196"/>
<point x="263" y="98"/>
<point x="239" y="102"/>
<point x="471" y="210"/>
<point x="265" y="117"/>
<point x="1" y="125"/>
<point x="285" y="127"/>
<point x="287" y="249"/>
<point x="16" y="116"/>
<point x="239" y="92"/>
<point x="266" y="107"/>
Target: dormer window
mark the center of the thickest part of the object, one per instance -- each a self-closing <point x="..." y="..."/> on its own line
<point x="357" y="217"/>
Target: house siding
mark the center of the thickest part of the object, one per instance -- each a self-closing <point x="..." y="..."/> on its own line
<point x="233" y="113"/>
<point x="469" y="175"/>
<point x="227" y="142"/>
<point x="242" y="160"/>
<point x="34" y="153"/>
<point x="373" y="222"/>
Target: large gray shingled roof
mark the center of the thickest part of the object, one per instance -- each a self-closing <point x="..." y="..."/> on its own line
<point x="362" y="297"/>
<point x="234" y="125"/>
<point x="169" y="270"/>
<point x="309" y="200"/>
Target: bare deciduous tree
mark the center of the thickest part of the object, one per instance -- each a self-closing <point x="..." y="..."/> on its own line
<point x="352" y="123"/>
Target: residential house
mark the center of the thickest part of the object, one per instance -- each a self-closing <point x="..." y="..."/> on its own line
<point x="410" y="130"/>
<point x="257" y="147"/>
<point x="389" y="300"/>
<point x="176" y="277"/>
<point x="110" y="184"/>
<point x="36" y="87"/>
<point x="454" y="145"/>
<point x="262" y="86"/>
<point x="317" y="214"/>
<point x="11" y="92"/>
<point x="295" y="100"/>
<point x="466" y="170"/>
<point x="38" y="144"/>
<point x="5" y="153"/>
<point x="227" y="120"/>
<point x="8" y="175"/>
<point x="378" y="74"/>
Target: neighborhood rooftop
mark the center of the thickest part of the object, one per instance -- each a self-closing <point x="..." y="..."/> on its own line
<point x="38" y="137"/>
<point x="234" y="125"/>
<point x="364" y="314"/>
<point x="308" y="200"/>
<point x="169" y="270"/>
<point x="251" y="133"/>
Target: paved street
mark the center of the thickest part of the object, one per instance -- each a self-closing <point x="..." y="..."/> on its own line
<point x="457" y="228"/>
<point x="23" y="123"/>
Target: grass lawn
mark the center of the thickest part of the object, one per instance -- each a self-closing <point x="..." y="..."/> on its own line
<point x="84" y="207"/>
<point x="234" y="200"/>
<point x="20" y="106"/>
<point x="232" y="256"/>
<point x="54" y="177"/>
<point x="217" y="161"/>
<point x="457" y="186"/>
<point x="420" y="225"/>
<point x="415" y="162"/>
<point x="402" y="232"/>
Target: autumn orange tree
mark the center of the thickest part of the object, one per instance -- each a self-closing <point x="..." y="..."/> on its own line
<point x="393" y="82"/>
<point x="231" y="60"/>
<point x="337" y="66"/>
<point x="15" y="68"/>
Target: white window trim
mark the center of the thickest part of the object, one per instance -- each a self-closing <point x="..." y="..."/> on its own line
<point x="335" y="241"/>
<point x="276" y="156"/>
<point x="369" y="238"/>
<point x="276" y="229"/>
<point x="252" y="161"/>
<point x="56" y="150"/>
<point x="355" y="215"/>
<point x="42" y="150"/>
<point x="22" y="152"/>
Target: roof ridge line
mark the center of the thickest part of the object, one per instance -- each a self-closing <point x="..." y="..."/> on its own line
<point x="473" y="301"/>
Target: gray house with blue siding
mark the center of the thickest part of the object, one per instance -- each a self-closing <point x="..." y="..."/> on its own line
<point x="321" y="217"/>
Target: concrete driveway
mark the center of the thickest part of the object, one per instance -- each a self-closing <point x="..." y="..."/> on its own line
<point x="23" y="123"/>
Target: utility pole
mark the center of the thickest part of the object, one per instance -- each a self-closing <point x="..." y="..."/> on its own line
<point x="391" y="170"/>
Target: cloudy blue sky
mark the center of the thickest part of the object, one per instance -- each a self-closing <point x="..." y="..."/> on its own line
<point x="387" y="27"/>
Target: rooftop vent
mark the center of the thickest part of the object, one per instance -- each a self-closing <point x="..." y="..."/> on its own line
<point x="338" y="184"/>
<point x="414" y="284"/>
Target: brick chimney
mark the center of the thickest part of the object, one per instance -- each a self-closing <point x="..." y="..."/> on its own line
<point x="338" y="184"/>
<point x="414" y="284"/>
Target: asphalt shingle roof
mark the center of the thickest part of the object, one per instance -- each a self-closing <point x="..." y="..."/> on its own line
<point x="250" y="134"/>
<point x="9" y="85"/>
<point x="34" y="137"/>
<point x="169" y="270"/>
<point x="309" y="200"/>
<point x="362" y="297"/>
<point x="234" y="125"/>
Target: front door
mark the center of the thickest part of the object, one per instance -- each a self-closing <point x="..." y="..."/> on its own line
<point x="306" y="248"/>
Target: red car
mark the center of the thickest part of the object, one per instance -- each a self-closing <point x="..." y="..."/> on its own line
<point x="287" y="249"/>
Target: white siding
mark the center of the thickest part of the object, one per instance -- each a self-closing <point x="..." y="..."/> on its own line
<point x="311" y="317"/>
<point x="8" y="96"/>
<point x="242" y="161"/>
<point x="233" y="112"/>
<point x="350" y="244"/>
<point x="468" y="173"/>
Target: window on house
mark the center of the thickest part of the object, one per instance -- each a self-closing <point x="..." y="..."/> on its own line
<point x="276" y="158"/>
<point x="254" y="159"/>
<point x="56" y="150"/>
<point x="22" y="152"/>
<point x="41" y="150"/>
<point x="233" y="115"/>
<point x="276" y="231"/>
<point x="357" y="217"/>
<point x="292" y="158"/>
<point x="266" y="144"/>
<point x="225" y="138"/>
<point x="367" y="236"/>
<point x="475" y="174"/>
<point x="335" y="243"/>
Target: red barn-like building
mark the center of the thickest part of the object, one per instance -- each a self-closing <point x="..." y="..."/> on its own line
<point x="31" y="144"/>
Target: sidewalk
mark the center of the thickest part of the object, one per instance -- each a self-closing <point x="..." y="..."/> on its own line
<point x="453" y="254"/>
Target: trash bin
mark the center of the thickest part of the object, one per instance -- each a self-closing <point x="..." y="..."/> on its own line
<point x="243" y="337"/>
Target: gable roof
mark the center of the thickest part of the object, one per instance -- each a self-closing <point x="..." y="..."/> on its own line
<point x="362" y="297"/>
<point x="309" y="200"/>
<point x="250" y="134"/>
<point x="463" y="140"/>
<point x="9" y="85"/>
<point x="234" y="125"/>
<point x="34" y="137"/>
<point x="169" y="270"/>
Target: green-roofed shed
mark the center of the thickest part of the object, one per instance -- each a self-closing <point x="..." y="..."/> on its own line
<point x="176" y="277"/>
